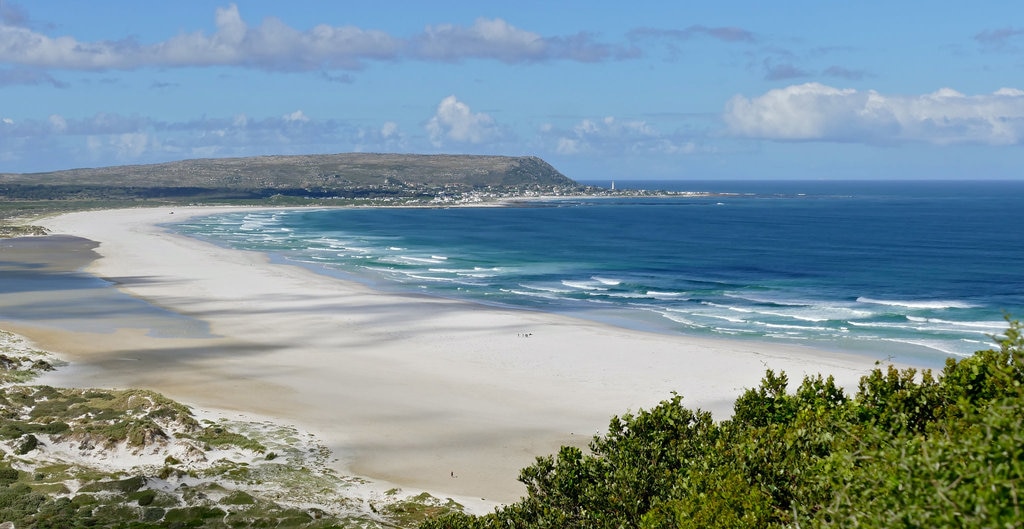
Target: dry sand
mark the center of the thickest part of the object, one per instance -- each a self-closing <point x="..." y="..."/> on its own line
<point x="405" y="389"/>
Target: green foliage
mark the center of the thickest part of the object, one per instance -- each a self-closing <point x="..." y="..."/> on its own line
<point x="627" y="471"/>
<point x="767" y="404"/>
<point x="908" y="450"/>
<point x="193" y="516"/>
<point x="218" y="436"/>
<point x="28" y="444"/>
<point x="410" y="511"/>
<point x="990" y="373"/>
<point x="965" y="475"/>
<point x="39" y="495"/>
<point x="124" y="486"/>
<point x="896" y="400"/>
<point x="238" y="497"/>
<point x="8" y="475"/>
<point x="111" y="417"/>
<point x="19" y="502"/>
<point x="18" y="369"/>
<point x="717" y="498"/>
<point x="145" y="497"/>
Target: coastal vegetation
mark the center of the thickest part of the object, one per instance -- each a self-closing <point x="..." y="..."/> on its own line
<point x="908" y="449"/>
<point x="135" y="459"/>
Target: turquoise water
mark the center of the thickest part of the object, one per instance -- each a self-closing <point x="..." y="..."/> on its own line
<point x="922" y="269"/>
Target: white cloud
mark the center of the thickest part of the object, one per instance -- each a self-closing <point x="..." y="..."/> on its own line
<point x="132" y="145"/>
<point x="610" y="135"/>
<point x="816" y="112"/>
<point x="499" y="40"/>
<point x="386" y="138"/>
<point x="389" y="130"/>
<point x="58" y="123"/>
<point x="103" y="123"/>
<point x="485" y="38"/>
<point x="456" y="122"/>
<point x="94" y="145"/>
<point x="568" y="146"/>
<point x="124" y="148"/>
<point x="24" y="46"/>
<point x="112" y="139"/>
<point x="295" y="117"/>
<point x="273" y="45"/>
<point x="611" y="127"/>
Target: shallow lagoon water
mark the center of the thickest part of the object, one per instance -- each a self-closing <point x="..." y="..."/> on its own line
<point x="42" y="284"/>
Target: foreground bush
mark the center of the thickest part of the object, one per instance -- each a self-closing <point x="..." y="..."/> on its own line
<point x="908" y="450"/>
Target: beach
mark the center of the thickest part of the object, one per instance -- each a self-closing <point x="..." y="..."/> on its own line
<point x="420" y="392"/>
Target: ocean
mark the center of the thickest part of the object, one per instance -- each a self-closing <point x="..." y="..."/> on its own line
<point x="915" y="271"/>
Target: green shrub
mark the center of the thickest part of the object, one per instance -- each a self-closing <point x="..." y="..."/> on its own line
<point x="145" y="497"/>
<point x="124" y="486"/>
<point x="55" y="428"/>
<point x="12" y="429"/>
<point x="192" y="515"/>
<point x="908" y="450"/>
<point x="238" y="497"/>
<point x="28" y="444"/>
<point x="8" y="475"/>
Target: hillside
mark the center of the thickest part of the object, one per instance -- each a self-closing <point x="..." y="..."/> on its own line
<point x="350" y="175"/>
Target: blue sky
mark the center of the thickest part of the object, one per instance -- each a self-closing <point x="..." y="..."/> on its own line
<point x="602" y="90"/>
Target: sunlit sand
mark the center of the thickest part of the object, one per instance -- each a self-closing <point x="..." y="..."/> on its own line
<point x="418" y="392"/>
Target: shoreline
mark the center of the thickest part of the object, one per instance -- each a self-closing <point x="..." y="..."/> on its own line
<point x="404" y="389"/>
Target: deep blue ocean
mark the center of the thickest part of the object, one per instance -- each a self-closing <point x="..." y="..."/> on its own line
<point x="914" y="270"/>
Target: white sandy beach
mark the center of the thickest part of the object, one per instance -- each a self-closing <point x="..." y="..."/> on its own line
<point x="404" y="389"/>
